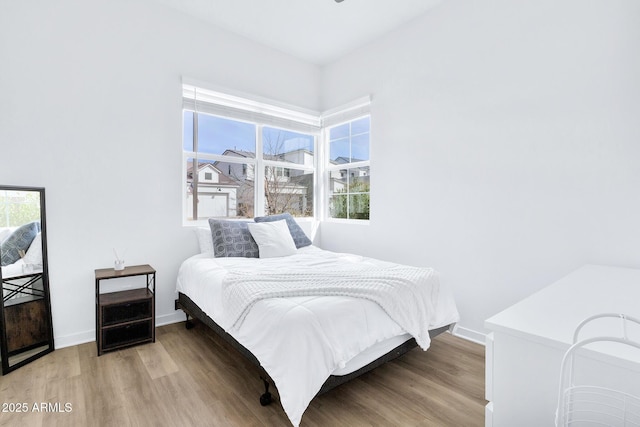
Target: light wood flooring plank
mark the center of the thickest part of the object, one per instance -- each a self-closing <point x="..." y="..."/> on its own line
<point x="156" y="360"/>
<point x="194" y="378"/>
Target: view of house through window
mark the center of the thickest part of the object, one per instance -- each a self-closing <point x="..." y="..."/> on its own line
<point x="223" y="169"/>
<point x="348" y="169"/>
<point x="289" y="174"/>
<point x="244" y="158"/>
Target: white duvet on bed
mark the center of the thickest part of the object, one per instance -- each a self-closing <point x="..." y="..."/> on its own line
<point x="301" y="341"/>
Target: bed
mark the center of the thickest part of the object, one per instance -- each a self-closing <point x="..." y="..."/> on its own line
<point x="20" y="249"/>
<point x="20" y="255"/>
<point x="308" y="341"/>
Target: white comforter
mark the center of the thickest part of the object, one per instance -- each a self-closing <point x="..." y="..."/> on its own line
<point x="300" y="341"/>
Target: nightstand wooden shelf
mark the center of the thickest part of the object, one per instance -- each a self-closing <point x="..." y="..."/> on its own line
<point x="125" y="318"/>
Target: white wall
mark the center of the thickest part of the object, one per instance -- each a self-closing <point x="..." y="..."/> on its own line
<point x="90" y="109"/>
<point x="521" y="121"/>
<point x="520" y="117"/>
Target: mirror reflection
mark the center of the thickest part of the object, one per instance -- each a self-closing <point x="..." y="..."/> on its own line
<point x="25" y="311"/>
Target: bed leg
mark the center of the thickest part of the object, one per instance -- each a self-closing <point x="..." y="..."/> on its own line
<point x="188" y="324"/>
<point x="265" y="399"/>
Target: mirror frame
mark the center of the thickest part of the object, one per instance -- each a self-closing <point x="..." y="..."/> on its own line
<point x="4" y="351"/>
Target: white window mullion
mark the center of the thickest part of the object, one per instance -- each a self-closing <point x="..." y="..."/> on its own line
<point x="286" y="165"/>
<point x="353" y="165"/>
<point x="349" y="189"/>
<point x="224" y="159"/>
<point x="322" y="161"/>
<point x="195" y="162"/>
<point x="350" y="146"/>
<point x="317" y="177"/>
<point x="259" y="208"/>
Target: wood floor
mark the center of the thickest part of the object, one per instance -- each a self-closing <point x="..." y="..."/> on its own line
<point x="193" y="378"/>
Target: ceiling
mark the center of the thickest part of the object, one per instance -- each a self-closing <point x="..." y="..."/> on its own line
<point x="317" y="31"/>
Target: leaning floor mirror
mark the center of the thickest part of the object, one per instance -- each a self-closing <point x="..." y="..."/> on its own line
<point x="25" y="312"/>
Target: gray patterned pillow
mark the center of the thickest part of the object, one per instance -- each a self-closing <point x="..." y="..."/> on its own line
<point x="232" y="239"/>
<point x="299" y="238"/>
<point x="19" y="240"/>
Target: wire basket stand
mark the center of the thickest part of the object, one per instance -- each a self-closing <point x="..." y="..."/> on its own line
<point x="593" y="405"/>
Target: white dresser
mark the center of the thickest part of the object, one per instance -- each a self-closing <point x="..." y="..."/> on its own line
<point x="527" y="341"/>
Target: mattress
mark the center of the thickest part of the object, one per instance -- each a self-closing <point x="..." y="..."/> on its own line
<point x="372" y="353"/>
<point x="309" y="337"/>
<point x="13" y="270"/>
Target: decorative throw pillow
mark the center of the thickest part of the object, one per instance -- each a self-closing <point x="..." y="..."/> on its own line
<point x="5" y="232"/>
<point x="232" y="239"/>
<point x="19" y="240"/>
<point x="299" y="238"/>
<point x="273" y="238"/>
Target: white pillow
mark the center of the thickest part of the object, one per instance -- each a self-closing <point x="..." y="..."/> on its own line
<point x="205" y="241"/>
<point x="34" y="253"/>
<point x="273" y="238"/>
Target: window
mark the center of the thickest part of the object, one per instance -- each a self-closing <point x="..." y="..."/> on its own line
<point x="19" y="207"/>
<point x="244" y="159"/>
<point x="348" y="169"/>
<point x="224" y="148"/>
<point x="289" y="172"/>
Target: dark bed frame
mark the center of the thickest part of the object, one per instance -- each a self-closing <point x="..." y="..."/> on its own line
<point x="191" y="309"/>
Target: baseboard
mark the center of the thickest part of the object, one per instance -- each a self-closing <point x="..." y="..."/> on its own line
<point x="469" y="334"/>
<point x="167" y="319"/>
<point x="178" y="316"/>
<point x="74" y="339"/>
<point x="89" y="336"/>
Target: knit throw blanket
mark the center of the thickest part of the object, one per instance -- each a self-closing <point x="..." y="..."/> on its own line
<point x="405" y="293"/>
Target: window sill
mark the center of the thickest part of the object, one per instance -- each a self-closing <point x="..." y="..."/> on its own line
<point x="347" y="221"/>
<point x="205" y="222"/>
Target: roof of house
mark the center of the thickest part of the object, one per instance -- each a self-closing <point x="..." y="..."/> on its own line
<point x="222" y="177"/>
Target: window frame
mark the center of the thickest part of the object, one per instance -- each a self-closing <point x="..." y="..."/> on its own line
<point x="258" y="162"/>
<point x="201" y="98"/>
<point x="329" y="168"/>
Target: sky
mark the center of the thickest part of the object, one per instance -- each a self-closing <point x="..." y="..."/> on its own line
<point x="216" y="134"/>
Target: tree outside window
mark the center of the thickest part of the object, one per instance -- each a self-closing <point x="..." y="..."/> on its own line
<point x="223" y="168"/>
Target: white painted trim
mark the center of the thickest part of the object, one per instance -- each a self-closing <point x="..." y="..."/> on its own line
<point x="488" y="370"/>
<point x="470" y="335"/>
<point x="347" y="221"/>
<point x="286" y="165"/>
<point x="352" y="165"/>
<point x="168" y="319"/>
<point x="74" y="339"/>
<point x="227" y="98"/>
<point x="346" y="112"/>
<point x="178" y="316"/>
<point x="363" y="101"/>
<point x="488" y="415"/>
